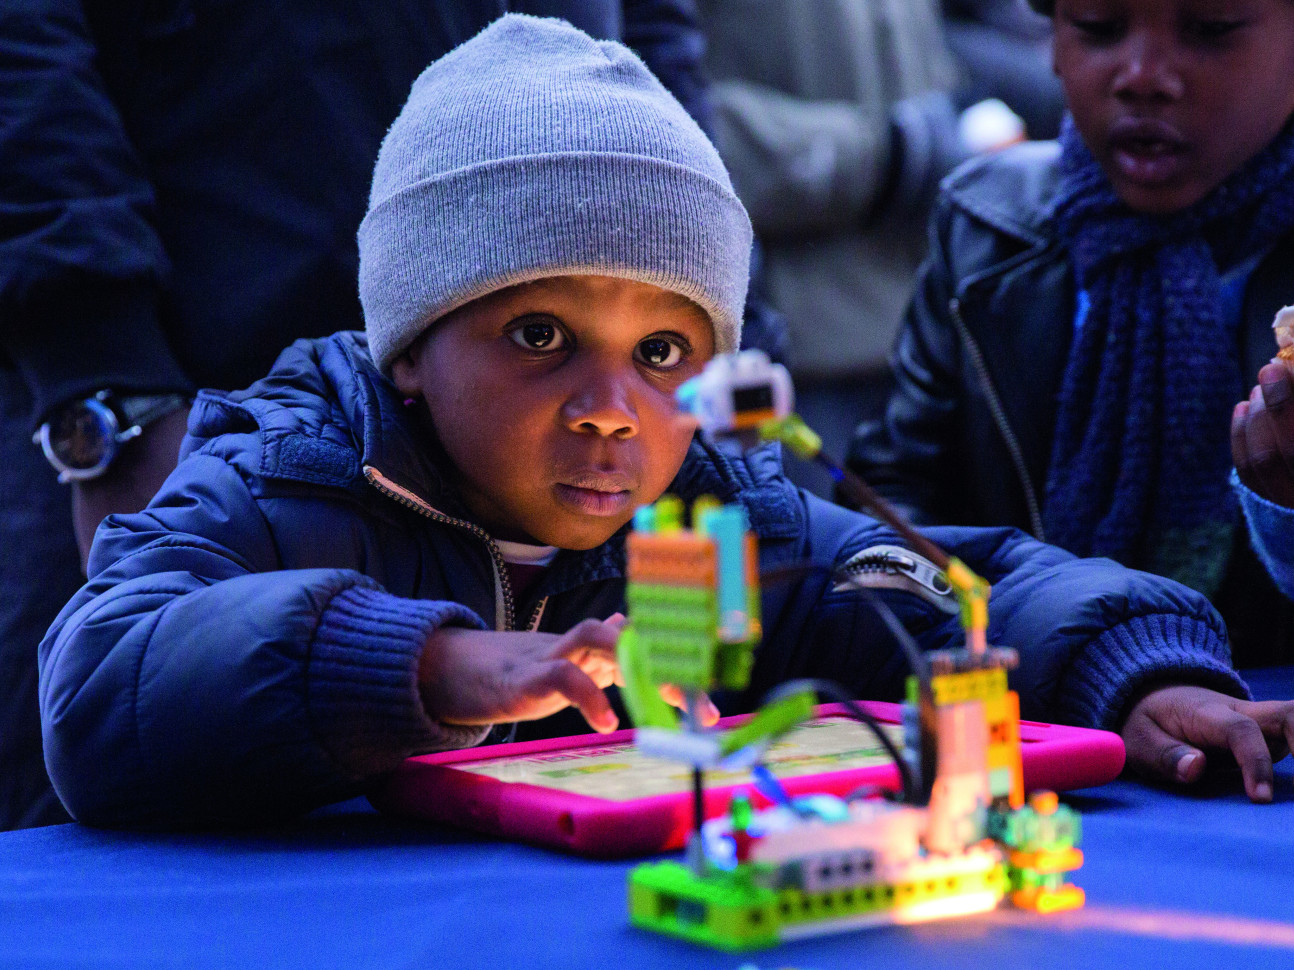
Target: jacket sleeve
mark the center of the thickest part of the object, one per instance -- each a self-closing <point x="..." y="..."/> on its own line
<point x="804" y="165"/>
<point x="80" y="261"/>
<point x="908" y="452"/>
<point x="192" y="680"/>
<point x="1271" y="533"/>
<point x="1091" y="635"/>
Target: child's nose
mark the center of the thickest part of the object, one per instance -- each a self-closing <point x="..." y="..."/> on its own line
<point x="1147" y="70"/>
<point x="602" y="405"/>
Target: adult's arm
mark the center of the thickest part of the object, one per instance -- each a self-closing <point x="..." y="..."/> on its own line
<point x="193" y="680"/>
<point x="81" y="264"/>
<point x="803" y="165"/>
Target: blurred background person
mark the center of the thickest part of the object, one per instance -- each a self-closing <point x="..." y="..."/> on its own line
<point x="837" y="119"/>
<point x="1004" y="50"/>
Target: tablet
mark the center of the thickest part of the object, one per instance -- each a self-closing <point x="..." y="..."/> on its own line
<point x="597" y="795"/>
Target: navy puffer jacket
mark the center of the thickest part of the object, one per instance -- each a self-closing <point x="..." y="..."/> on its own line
<point x="246" y="647"/>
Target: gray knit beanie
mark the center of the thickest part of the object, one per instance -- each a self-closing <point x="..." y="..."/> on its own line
<point x="533" y="150"/>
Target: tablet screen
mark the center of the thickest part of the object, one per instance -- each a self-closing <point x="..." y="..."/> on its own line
<point x="619" y="772"/>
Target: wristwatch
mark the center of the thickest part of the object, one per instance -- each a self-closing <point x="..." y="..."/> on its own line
<point x="82" y="438"/>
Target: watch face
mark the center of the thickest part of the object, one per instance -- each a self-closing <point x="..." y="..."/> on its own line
<point x="82" y="436"/>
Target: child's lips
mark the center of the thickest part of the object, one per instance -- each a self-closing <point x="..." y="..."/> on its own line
<point x="602" y="494"/>
<point x="1147" y="151"/>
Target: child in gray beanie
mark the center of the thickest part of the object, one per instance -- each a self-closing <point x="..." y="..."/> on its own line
<point x="388" y="547"/>
<point x="581" y="163"/>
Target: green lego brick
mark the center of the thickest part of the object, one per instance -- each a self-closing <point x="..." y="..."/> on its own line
<point x="722" y="910"/>
<point x="662" y="595"/>
<point x="732" y="665"/>
<point x="684" y="662"/>
<point x="771" y="721"/>
<point x="730" y="912"/>
<point x="795" y="906"/>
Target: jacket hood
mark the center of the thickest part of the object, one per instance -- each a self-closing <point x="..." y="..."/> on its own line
<point x="324" y="415"/>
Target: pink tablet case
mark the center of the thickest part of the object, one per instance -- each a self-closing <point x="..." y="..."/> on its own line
<point x="430" y="787"/>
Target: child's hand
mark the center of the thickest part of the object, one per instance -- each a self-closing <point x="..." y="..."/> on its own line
<point x="1262" y="436"/>
<point x="1165" y="725"/>
<point x="484" y="677"/>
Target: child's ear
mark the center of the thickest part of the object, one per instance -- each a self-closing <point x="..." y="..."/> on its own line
<point x="404" y="374"/>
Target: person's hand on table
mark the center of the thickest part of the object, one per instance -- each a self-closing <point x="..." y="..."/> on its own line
<point x="131" y="480"/>
<point x="1168" y="728"/>
<point x="1262" y="436"/>
<point x="488" y="677"/>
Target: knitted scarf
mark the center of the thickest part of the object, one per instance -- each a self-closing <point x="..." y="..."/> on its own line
<point x="1140" y="458"/>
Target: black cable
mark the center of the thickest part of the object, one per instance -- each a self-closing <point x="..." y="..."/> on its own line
<point x="917" y="662"/>
<point x="830" y="689"/>
<point x="698" y="799"/>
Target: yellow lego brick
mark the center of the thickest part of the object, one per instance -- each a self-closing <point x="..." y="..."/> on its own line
<point x="995" y="709"/>
<point x="1003" y="756"/>
<point x="1049" y="900"/>
<point x="949" y="688"/>
<point x="971" y="685"/>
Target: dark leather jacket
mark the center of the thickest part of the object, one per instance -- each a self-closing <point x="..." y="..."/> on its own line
<point x="966" y="435"/>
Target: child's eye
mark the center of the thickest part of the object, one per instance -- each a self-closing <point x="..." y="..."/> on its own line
<point x="1210" y="30"/>
<point x="1098" y="29"/>
<point x="660" y="352"/>
<point x="538" y="335"/>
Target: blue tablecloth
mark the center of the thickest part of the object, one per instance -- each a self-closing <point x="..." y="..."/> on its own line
<point x="1172" y="880"/>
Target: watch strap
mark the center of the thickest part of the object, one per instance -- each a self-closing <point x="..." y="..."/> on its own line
<point x="141" y="410"/>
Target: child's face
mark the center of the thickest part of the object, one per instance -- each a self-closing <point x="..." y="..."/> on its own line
<point x="555" y="402"/>
<point x="1172" y="96"/>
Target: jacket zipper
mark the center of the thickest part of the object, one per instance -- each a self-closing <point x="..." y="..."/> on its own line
<point x="999" y="418"/>
<point x="502" y="585"/>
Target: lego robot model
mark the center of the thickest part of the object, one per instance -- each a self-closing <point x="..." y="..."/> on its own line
<point x="961" y="837"/>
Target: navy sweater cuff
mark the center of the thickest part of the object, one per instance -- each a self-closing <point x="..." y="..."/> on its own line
<point x="1142" y="653"/>
<point x="362" y="687"/>
<point x="86" y="335"/>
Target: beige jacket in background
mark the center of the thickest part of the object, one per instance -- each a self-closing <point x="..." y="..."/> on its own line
<point x="807" y="94"/>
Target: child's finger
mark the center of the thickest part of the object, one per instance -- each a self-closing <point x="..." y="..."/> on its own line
<point x="676" y="698"/>
<point x="565" y="679"/>
<point x="1274" y="477"/>
<point x="1276" y="721"/>
<point x="1240" y="444"/>
<point x="1153" y="751"/>
<point x="1278" y="399"/>
<point x="586" y="640"/>
<point x="1245" y="739"/>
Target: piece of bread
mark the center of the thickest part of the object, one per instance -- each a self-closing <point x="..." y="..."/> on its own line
<point x="1283" y="327"/>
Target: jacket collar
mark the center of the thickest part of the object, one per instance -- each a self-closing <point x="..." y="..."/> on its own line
<point x="1013" y="191"/>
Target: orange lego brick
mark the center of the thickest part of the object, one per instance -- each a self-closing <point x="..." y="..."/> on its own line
<point x="675" y="558"/>
<point x="1046" y="861"/>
